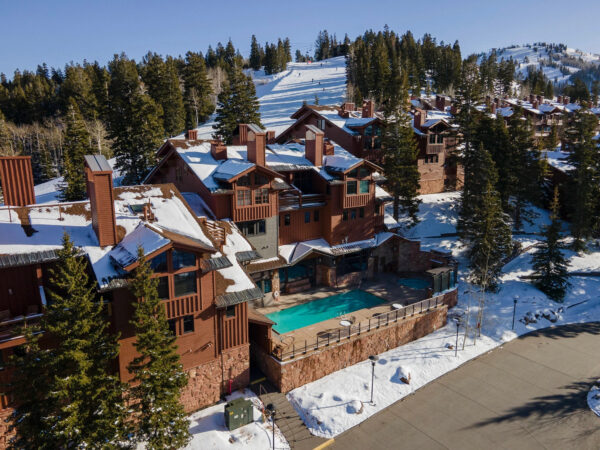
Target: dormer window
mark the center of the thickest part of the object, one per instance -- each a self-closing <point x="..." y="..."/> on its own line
<point x="183" y="259"/>
<point x="243" y="181"/>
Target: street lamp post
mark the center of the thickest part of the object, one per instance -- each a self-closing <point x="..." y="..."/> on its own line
<point x="457" y="327"/>
<point x="515" y="300"/>
<point x="271" y="410"/>
<point x="374" y="360"/>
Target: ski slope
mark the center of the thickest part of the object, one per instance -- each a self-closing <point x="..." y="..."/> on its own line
<point x="539" y="56"/>
<point x="281" y="94"/>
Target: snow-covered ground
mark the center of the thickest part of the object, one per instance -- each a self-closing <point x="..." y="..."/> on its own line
<point x="593" y="398"/>
<point x="282" y="94"/>
<point x="208" y="429"/>
<point x="328" y="405"/>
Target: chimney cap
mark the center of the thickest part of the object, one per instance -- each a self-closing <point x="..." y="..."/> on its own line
<point x="255" y="129"/>
<point x="314" y="130"/>
<point x="97" y="163"/>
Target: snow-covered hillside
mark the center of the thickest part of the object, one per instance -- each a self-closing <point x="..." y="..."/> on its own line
<point x="281" y="94"/>
<point x="556" y="60"/>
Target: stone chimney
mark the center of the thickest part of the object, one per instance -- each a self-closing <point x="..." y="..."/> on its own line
<point x="313" y="145"/>
<point x="192" y="135"/>
<point x="257" y="143"/>
<point x="102" y="201"/>
<point x="440" y="102"/>
<point x="368" y="109"/>
<point x="419" y="118"/>
<point x="218" y="150"/>
<point x="17" y="180"/>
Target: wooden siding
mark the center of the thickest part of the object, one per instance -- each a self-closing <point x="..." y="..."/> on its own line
<point x="182" y="306"/>
<point x="17" y="180"/>
<point x="298" y="230"/>
<point x="234" y="330"/>
<point x="253" y="212"/>
<point x="19" y="289"/>
<point x="356" y="200"/>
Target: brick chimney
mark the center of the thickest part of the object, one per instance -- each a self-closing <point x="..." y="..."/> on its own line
<point x="257" y="143"/>
<point x="440" y="102"/>
<point x="102" y="201"/>
<point x="419" y="118"/>
<point x="17" y="180"/>
<point x="218" y="150"/>
<point x="346" y="108"/>
<point x="328" y="148"/>
<point x="368" y="109"/>
<point x="313" y="145"/>
<point x="242" y="136"/>
<point x="270" y="136"/>
<point x="192" y="135"/>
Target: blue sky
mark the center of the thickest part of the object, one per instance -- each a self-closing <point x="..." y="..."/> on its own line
<point x="59" y="31"/>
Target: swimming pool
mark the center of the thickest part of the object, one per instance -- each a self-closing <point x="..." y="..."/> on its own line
<point x="319" y="310"/>
<point x="414" y="283"/>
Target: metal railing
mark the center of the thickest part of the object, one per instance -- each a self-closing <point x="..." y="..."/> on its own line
<point x="284" y="351"/>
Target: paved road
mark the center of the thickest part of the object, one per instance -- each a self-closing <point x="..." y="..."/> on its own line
<point x="528" y="394"/>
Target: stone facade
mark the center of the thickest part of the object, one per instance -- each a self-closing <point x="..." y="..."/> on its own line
<point x="298" y="372"/>
<point x="208" y="382"/>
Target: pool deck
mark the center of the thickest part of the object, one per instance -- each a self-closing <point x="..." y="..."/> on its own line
<point x="385" y="286"/>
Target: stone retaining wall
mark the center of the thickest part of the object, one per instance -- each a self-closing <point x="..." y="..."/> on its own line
<point x="302" y="370"/>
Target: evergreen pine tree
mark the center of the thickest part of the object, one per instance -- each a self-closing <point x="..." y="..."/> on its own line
<point x="255" y="56"/>
<point x="549" y="263"/>
<point x="197" y="90"/>
<point x="236" y="104"/>
<point x="158" y="374"/>
<point x="5" y="144"/>
<point x="80" y="403"/>
<point x="487" y="230"/>
<point x="135" y="121"/>
<point x="76" y="146"/>
<point x="584" y="179"/>
<point x="400" y="157"/>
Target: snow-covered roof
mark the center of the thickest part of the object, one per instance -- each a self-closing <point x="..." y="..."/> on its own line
<point x="47" y="226"/>
<point x="126" y="251"/>
<point x="558" y="159"/>
<point x="231" y="168"/>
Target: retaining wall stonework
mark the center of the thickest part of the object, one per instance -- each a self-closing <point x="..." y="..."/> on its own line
<point x="205" y="381"/>
<point x="302" y="370"/>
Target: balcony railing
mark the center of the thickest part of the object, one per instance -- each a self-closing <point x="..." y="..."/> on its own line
<point x="297" y="201"/>
<point x="245" y="213"/>
<point x="182" y="306"/>
<point x="8" y="327"/>
<point x="356" y="200"/>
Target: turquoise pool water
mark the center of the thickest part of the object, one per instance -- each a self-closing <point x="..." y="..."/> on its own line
<point x="415" y="283"/>
<point x="322" y="309"/>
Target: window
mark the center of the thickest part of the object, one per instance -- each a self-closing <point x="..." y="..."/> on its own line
<point x="244" y="198"/>
<point x="377" y="209"/>
<point x="230" y="311"/>
<point x="188" y="324"/>
<point x="137" y="209"/>
<point x="260" y="180"/>
<point x="316" y="215"/>
<point x="321" y="123"/>
<point x="172" y="326"/>
<point x="163" y="288"/>
<point x="350" y="187"/>
<point x="267" y="286"/>
<point x="361" y="212"/>
<point x="432" y="138"/>
<point x="243" y="181"/>
<point x="183" y="259"/>
<point x="440" y="138"/>
<point x="286" y="220"/>
<point x="178" y="174"/>
<point x="307" y="217"/>
<point x="253" y="227"/>
<point x="363" y="172"/>
<point x="430" y="159"/>
<point x="353" y="173"/>
<point x="345" y="215"/>
<point x="352" y="214"/>
<point x="185" y="283"/>
<point x="159" y="263"/>
<point x="364" y="186"/>
<point x="261" y="196"/>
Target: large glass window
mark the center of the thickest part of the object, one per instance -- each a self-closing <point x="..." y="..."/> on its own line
<point x="230" y="311"/>
<point x="172" y="326"/>
<point x="432" y="138"/>
<point x="185" y="283"/>
<point x="316" y="215"/>
<point x="260" y="180"/>
<point x="159" y="263"/>
<point x="363" y="172"/>
<point x="353" y="214"/>
<point x="307" y="217"/>
<point x="253" y="227"/>
<point x="243" y="181"/>
<point x="440" y="138"/>
<point x="244" y="198"/>
<point x="364" y="186"/>
<point x="163" y="288"/>
<point x="183" y="259"/>
<point x="286" y="220"/>
<point x="350" y="187"/>
<point x="261" y="196"/>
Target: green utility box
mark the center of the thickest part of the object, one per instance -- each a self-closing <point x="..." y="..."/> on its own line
<point x="238" y="412"/>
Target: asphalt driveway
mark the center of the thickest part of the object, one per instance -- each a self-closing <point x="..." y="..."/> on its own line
<point x="528" y="394"/>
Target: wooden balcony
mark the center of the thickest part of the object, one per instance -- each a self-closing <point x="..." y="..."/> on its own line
<point x="8" y="328"/>
<point x="255" y="212"/>
<point x="356" y="201"/>
<point x="434" y="149"/>
<point x="182" y="306"/>
<point x="291" y="201"/>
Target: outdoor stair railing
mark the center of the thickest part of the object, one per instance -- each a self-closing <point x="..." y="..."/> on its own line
<point x="284" y="351"/>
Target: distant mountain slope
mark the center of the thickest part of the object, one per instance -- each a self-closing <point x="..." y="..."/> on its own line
<point x="557" y="61"/>
<point x="281" y="94"/>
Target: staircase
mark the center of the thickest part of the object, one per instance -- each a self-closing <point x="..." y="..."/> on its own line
<point x="290" y="424"/>
<point x="295" y="286"/>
